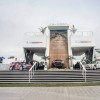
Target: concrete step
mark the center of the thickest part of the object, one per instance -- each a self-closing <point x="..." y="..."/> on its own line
<point x="49" y="76"/>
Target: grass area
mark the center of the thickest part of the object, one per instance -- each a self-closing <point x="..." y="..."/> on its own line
<point x="48" y="84"/>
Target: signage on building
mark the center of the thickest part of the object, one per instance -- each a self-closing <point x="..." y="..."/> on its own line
<point x="32" y="42"/>
<point x="82" y="41"/>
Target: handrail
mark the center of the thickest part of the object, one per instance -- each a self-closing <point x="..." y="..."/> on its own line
<point x="83" y="71"/>
<point x="31" y="71"/>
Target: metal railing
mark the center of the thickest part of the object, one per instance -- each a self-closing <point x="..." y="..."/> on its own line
<point x="83" y="71"/>
<point x="31" y="71"/>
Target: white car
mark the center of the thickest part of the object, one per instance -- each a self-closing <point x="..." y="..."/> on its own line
<point x="90" y="66"/>
<point x="97" y="64"/>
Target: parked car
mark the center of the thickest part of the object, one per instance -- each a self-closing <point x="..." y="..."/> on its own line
<point x="94" y="65"/>
<point x="19" y="66"/>
<point x="26" y="66"/>
<point x="98" y="64"/>
<point x="91" y="66"/>
<point x="41" y="65"/>
<point x="58" y="63"/>
<point x="16" y="65"/>
<point x="77" y="66"/>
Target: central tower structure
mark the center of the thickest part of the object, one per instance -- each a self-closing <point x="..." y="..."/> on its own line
<point x="59" y="44"/>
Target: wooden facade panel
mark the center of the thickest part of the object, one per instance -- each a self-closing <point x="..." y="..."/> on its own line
<point x="59" y="49"/>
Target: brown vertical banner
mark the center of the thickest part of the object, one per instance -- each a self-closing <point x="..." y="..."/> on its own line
<point x="59" y="47"/>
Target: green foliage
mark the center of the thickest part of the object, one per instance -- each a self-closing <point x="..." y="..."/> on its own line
<point x="49" y="84"/>
<point x="11" y="57"/>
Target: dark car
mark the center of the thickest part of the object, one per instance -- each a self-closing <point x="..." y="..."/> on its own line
<point x="41" y="65"/>
<point x="58" y="63"/>
<point x="26" y="66"/>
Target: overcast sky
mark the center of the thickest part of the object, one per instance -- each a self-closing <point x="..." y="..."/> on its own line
<point x="20" y="16"/>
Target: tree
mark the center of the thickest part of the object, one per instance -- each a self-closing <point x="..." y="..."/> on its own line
<point x="42" y="29"/>
<point x="45" y="58"/>
<point x="11" y="57"/>
<point x="1" y="59"/>
<point x="73" y="29"/>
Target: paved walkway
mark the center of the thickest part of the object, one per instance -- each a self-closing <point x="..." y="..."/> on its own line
<point x="50" y="93"/>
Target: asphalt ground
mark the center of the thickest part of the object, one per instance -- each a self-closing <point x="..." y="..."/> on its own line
<point x="50" y="93"/>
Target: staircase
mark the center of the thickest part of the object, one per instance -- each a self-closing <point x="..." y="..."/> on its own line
<point x="93" y="75"/>
<point x="58" y="76"/>
<point x="49" y="76"/>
